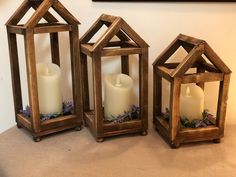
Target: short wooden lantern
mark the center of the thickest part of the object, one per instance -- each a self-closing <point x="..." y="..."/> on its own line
<point x="128" y="43"/>
<point x="34" y="124"/>
<point x="176" y="74"/>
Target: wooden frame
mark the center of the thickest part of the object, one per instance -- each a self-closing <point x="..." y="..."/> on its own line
<point x="129" y="43"/>
<point x="206" y="72"/>
<point x="37" y="127"/>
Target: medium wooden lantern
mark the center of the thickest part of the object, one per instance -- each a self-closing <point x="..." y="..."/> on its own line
<point x="215" y="70"/>
<point x="34" y="124"/>
<point x="128" y="43"/>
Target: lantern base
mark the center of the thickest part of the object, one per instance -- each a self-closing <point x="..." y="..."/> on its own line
<point x="186" y="135"/>
<point x="79" y="128"/>
<point x="216" y="141"/>
<point x="99" y="140"/>
<point x="37" y="139"/>
<point x="113" y="129"/>
<point x="51" y="126"/>
<point x="144" y="133"/>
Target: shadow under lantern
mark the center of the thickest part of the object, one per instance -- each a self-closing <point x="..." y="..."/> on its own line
<point x="34" y="124"/>
<point x="128" y="43"/>
<point x="176" y="74"/>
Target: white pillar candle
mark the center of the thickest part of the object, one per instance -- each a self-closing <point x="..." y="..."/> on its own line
<point x="191" y="101"/>
<point x="49" y="88"/>
<point x="118" y="94"/>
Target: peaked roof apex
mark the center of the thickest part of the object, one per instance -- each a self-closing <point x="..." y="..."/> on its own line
<point x="195" y="48"/>
<point x="41" y="11"/>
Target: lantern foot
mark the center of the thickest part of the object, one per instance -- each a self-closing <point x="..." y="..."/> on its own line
<point x="19" y="125"/>
<point x="79" y="128"/>
<point x="37" y="139"/>
<point x="144" y="133"/>
<point x="216" y="140"/>
<point x="99" y="140"/>
<point x="175" y="145"/>
<point x="85" y="124"/>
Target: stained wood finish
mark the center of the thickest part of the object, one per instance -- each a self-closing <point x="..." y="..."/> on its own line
<point x="217" y="71"/>
<point x="15" y="73"/>
<point x="19" y="13"/>
<point x="55" y="48"/>
<point x="222" y="103"/>
<point x="130" y="43"/>
<point x="174" y="109"/>
<point x="28" y="30"/>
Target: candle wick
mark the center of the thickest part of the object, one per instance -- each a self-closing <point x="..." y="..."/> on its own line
<point x="188" y="93"/>
<point x="118" y="82"/>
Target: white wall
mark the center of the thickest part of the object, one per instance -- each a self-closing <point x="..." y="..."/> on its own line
<point x="157" y="23"/>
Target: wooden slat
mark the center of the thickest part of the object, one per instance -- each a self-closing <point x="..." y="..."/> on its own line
<point x="174" y="108"/>
<point x="117" y="44"/>
<point x="84" y="67"/>
<point x="97" y="89"/>
<point x="143" y="87"/>
<point x="58" y="129"/>
<point x="209" y="67"/>
<point x="169" y="51"/>
<point x="121" y="132"/>
<point x="199" y="82"/>
<point x="52" y="28"/>
<point x="162" y="128"/>
<point x="188" y="61"/>
<point x="87" y="49"/>
<point x="16" y="29"/>
<point x="107" y="36"/>
<point x="108" y="18"/>
<point x="55" y="48"/>
<point x="133" y="124"/>
<point x="15" y="73"/>
<point x="64" y="13"/>
<point x="164" y="72"/>
<point x="133" y="35"/>
<point x="198" y="134"/>
<point x="190" y="40"/>
<point x="202" y="77"/>
<point x="125" y="64"/>
<point x="89" y="118"/>
<point x="91" y="31"/>
<point x="215" y="59"/>
<point x="19" y="13"/>
<point x="60" y="122"/>
<point x="47" y="16"/>
<point x="76" y="71"/>
<point x="157" y="93"/>
<point x="120" y="34"/>
<point x="188" y="47"/>
<point x="222" y="103"/>
<point x="32" y="79"/>
<point x="38" y="14"/>
<point x="121" y="51"/>
<point x="24" y="121"/>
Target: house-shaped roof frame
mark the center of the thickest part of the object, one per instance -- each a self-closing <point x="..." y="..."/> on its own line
<point x="195" y="48"/>
<point x="129" y="41"/>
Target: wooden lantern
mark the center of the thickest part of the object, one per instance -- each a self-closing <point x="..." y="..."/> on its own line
<point x="34" y="124"/>
<point x="128" y="43"/>
<point x="175" y="73"/>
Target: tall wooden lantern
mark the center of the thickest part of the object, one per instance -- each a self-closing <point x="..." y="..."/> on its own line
<point x="34" y="123"/>
<point x="173" y="124"/>
<point x="128" y="42"/>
